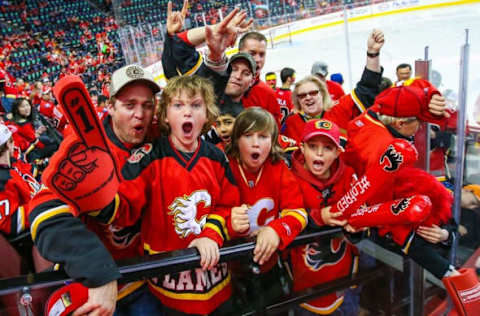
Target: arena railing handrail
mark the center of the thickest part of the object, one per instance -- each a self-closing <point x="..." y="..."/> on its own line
<point x="152" y="265"/>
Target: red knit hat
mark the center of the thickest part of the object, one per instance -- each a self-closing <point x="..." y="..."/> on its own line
<point x="408" y="101"/>
<point x="66" y="300"/>
<point x="322" y="127"/>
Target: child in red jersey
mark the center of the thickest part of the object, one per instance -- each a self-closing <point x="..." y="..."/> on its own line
<point x="183" y="189"/>
<point x="26" y="137"/>
<point x="17" y="186"/>
<point x="323" y="178"/>
<point x="272" y="208"/>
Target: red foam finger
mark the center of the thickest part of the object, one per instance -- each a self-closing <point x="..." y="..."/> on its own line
<point x="77" y="105"/>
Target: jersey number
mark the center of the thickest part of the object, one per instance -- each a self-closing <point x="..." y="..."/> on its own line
<point x="4" y="208"/>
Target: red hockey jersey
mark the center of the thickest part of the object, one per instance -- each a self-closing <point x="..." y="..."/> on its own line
<point x="25" y="137"/>
<point x="180" y="197"/>
<point x="274" y="199"/>
<point x="362" y="153"/>
<point x="294" y="124"/>
<point x="310" y="264"/>
<point x="17" y="187"/>
<point x="284" y="99"/>
<point x="260" y="94"/>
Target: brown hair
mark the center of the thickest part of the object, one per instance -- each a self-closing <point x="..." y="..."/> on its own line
<point x="255" y="119"/>
<point x="251" y="35"/>
<point x="191" y="85"/>
<point x="327" y="101"/>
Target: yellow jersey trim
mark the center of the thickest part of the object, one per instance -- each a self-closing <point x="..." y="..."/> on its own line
<point x="149" y="249"/>
<point x="325" y="310"/>
<point x="357" y="102"/>
<point x="215" y="228"/>
<point x="368" y="117"/>
<point x="299" y="214"/>
<point x="222" y="221"/>
<point x="194" y="68"/>
<point x="46" y="215"/>
<point x="129" y="288"/>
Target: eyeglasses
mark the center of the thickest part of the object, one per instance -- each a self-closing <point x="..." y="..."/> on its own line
<point x="312" y="93"/>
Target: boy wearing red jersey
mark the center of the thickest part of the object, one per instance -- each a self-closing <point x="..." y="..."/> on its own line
<point x="323" y="179"/>
<point x="272" y="207"/>
<point x="184" y="189"/>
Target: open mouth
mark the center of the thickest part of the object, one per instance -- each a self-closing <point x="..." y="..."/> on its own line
<point x="226" y="139"/>
<point x="187" y="127"/>
<point x="139" y="128"/>
<point x="255" y="156"/>
<point x="318" y="164"/>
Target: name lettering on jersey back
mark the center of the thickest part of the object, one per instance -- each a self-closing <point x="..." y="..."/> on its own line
<point x="184" y="212"/>
<point x="194" y="281"/>
<point x="350" y="197"/>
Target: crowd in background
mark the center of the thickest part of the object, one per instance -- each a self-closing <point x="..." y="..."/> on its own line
<point x="43" y="41"/>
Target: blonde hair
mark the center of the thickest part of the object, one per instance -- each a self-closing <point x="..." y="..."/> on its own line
<point x="255" y="119"/>
<point x="389" y="120"/>
<point x="192" y="85"/>
<point x="327" y="101"/>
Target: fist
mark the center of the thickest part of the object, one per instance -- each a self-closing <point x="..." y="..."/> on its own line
<point x="240" y="221"/>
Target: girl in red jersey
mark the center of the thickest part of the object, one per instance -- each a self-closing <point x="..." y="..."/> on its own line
<point x="311" y="99"/>
<point x="26" y="137"/>
<point x="323" y="179"/>
<point x="272" y="208"/>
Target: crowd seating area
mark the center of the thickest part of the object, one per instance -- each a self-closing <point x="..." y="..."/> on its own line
<point x="48" y="39"/>
<point x="134" y="12"/>
<point x="45" y="40"/>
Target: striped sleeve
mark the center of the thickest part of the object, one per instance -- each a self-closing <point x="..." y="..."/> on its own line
<point x="293" y="216"/>
<point x="216" y="225"/>
<point x="63" y="238"/>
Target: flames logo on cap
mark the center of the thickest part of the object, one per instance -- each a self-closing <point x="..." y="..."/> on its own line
<point x="322" y="124"/>
<point x="134" y="72"/>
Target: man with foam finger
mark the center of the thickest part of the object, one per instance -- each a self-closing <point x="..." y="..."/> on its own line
<point x="54" y="213"/>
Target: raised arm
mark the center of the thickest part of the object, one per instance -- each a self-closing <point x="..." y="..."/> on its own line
<point x="375" y="42"/>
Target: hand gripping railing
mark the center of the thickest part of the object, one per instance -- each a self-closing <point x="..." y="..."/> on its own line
<point x="180" y="260"/>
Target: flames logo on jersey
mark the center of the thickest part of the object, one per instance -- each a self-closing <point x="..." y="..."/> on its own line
<point x="139" y="153"/>
<point x="122" y="237"/>
<point x="392" y="159"/>
<point x="401" y="206"/>
<point x="184" y="211"/>
<point x="317" y="256"/>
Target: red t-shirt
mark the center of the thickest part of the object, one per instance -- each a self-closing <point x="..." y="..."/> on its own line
<point x="263" y="96"/>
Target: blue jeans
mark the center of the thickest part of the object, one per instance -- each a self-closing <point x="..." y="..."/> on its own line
<point x="142" y="303"/>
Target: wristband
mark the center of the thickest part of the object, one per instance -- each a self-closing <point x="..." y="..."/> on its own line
<point x="373" y="55"/>
<point x="219" y="63"/>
